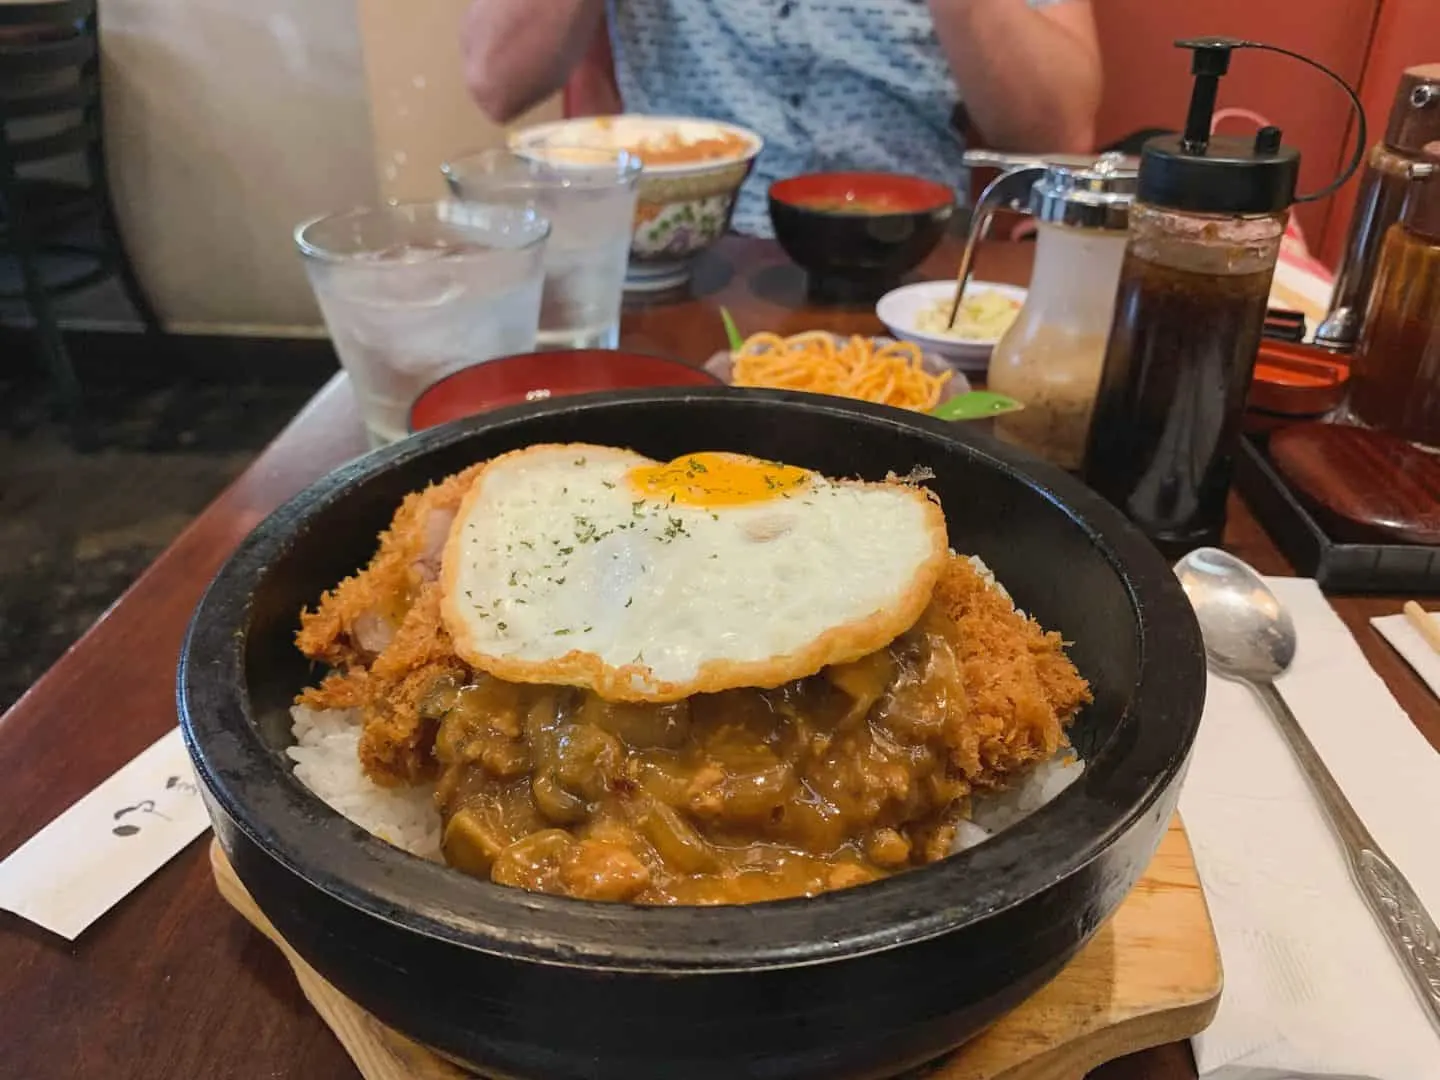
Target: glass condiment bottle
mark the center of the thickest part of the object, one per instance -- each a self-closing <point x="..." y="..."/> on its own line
<point x="1395" y="374"/>
<point x="1414" y="122"/>
<point x="1205" y="232"/>
<point x="1050" y="357"/>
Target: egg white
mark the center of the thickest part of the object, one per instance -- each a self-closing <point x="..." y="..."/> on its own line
<point x="558" y="571"/>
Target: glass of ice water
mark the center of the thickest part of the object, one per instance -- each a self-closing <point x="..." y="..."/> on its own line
<point x="413" y="292"/>
<point x="588" y="196"/>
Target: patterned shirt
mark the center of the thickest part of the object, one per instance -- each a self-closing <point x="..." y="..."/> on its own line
<point x="829" y="84"/>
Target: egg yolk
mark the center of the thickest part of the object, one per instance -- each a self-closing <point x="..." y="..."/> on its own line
<point x="716" y="479"/>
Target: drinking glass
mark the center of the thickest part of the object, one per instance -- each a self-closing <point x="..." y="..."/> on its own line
<point x="413" y="292"/>
<point x="588" y="196"/>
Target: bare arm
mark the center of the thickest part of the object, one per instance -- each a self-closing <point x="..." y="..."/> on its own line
<point x="1029" y="77"/>
<point x="519" y="52"/>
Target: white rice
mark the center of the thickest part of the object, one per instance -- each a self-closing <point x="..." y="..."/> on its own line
<point x="327" y="761"/>
<point x="992" y="812"/>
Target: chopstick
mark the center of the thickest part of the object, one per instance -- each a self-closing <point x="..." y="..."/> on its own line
<point x="1424" y="623"/>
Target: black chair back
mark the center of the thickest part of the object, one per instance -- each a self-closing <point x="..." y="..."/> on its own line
<point x="49" y="82"/>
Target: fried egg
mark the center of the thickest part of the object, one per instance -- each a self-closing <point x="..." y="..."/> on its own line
<point x="650" y="581"/>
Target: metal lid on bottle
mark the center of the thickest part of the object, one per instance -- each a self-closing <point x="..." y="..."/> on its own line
<point x="1091" y="196"/>
<point x="1422" y="203"/>
<point x="1415" y="113"/>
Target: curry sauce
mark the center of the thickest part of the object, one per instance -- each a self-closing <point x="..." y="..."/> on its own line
<point x="858" y="772"/>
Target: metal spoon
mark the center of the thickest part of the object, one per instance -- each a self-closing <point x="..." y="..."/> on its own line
<point x="1250" y="638"/>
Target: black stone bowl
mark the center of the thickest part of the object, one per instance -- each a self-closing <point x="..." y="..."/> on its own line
<point x="862" y="982"/>
<point x="856" y="234"/>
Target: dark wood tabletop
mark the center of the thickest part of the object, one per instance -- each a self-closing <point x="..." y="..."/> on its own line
<point x="172" y="983"/>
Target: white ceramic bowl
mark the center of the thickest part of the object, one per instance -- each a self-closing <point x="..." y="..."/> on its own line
<point x="681" y="209"/>
<point x="900" y="310"/>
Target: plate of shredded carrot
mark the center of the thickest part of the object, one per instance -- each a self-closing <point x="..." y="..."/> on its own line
<point x="877" y="369"/>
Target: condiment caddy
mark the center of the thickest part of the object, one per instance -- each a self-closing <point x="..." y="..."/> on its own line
<point x="1356" y="502"/>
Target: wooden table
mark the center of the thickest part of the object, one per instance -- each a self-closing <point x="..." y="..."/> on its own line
<point x="173" y="984"/>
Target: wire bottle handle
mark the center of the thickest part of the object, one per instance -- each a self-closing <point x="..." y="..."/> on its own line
<point x="1361" y="135"/>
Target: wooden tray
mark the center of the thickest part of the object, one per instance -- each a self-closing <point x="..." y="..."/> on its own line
<point x="1151" y="975"/>
<point x="1405" y="569"/>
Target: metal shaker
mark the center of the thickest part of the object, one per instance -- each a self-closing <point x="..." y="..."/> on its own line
<point x="1389" y="168"/>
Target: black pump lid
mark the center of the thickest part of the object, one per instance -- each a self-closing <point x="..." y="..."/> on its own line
<point x="1219" y="175"/>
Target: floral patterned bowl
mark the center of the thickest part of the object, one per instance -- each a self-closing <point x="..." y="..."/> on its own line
<point x="683" y="206"/>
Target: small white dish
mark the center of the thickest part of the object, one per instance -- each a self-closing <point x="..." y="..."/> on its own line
<point x="900" y="310"/>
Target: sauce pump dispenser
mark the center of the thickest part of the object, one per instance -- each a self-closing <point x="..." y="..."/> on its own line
<point x="1205" y="231"/>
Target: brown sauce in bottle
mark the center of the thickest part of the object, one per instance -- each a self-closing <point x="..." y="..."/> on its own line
<point x="1395" y="376"/>
<point x="1166" y="421"/>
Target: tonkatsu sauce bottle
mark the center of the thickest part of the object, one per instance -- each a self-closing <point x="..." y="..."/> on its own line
<point x="1204" y="237"/>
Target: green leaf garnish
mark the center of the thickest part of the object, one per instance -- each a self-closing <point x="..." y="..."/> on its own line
<point x="732" y="331"/>
<point x="975" y="405"/>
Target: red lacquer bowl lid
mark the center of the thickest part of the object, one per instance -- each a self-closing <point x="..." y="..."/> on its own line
<point x="513" y="380"/>
<point x="1295" y="379"/>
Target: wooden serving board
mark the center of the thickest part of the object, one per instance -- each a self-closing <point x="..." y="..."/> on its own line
<point x="1151" y="975"/>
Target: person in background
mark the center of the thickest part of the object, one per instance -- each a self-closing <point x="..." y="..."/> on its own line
<point x="829" y="84"/>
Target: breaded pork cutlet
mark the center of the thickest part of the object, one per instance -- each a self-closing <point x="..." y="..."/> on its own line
<point x="382" y="634"/>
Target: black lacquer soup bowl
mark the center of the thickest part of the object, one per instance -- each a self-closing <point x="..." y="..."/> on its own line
<point x="862" y="982"/>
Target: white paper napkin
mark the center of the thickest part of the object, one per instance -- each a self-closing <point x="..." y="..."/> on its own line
<point x="1411" y="644"/>
<point x="97" y="852"/>
<point x="1312" y="988"/>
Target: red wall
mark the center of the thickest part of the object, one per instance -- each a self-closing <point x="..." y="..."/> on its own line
<point x="1147" y="79"/>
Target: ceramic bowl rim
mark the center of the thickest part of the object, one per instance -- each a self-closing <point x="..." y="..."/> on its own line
<point x="942" y="207"/>
<point x="895" y="326"/>
<point x="531" y="356"/>
<point x="317" y="845"/>
<point x="523" y="138"/>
